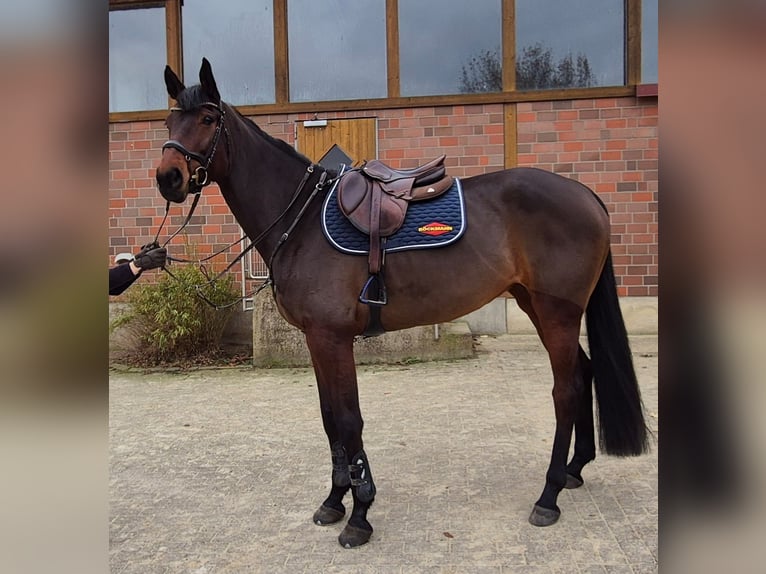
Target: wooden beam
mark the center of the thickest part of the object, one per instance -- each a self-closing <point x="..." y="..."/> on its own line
<point x="633" y="43"/>
<point x="132" y="4"/>
<point x="509" y="45"/>
<point x="281" y="53"/>
<point x="392" y="48"/>
<point x="173" y="35"/>
<point x="511" y="141"/>
<point x="405" y="102"/>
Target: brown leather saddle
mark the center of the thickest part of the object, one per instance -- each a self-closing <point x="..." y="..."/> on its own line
<point x="375" y="197"/>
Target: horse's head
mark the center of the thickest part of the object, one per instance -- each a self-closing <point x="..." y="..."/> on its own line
<point x="194" y="154"/>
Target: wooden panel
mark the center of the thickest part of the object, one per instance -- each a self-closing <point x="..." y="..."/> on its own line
<point x="357" y="137"/>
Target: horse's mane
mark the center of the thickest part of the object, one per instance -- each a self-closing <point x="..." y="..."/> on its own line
<point x="276" y="142"/>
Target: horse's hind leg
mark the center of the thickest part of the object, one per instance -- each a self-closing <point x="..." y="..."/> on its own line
<point x="333" y="359"/>
<point x="558" y="324"/>
<point x="585" y="443"/>
<point x="585" y="440"/>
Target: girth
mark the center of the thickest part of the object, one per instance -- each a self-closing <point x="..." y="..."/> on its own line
<point x="375" y="199"/>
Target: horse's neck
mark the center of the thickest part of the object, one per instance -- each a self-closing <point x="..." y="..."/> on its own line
<point x="260" y="184"/>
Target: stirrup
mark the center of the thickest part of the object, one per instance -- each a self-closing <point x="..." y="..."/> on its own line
<point x="380" y="287"/>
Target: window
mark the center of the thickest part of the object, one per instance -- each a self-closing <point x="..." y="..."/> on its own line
<point x="649" y="41"/>
<point x="337" y="49"/>
<point x="137" y="56"/>
<point x="450" y="47"/>
<point x="578" y="43"/>
<point x="237" y="37"/>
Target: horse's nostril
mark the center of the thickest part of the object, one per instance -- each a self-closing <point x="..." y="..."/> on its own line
<point x="170" y="178"/>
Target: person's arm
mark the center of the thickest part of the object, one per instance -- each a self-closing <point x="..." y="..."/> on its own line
<point x="122" y="276"/>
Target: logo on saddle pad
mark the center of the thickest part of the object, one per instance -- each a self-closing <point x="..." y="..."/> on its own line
<point x="435" y="229"/>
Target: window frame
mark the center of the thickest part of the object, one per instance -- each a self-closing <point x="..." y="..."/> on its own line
<point x="394" y="99"/>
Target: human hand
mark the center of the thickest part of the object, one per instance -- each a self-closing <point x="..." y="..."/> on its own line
<point x="150" y="258"/>
<point x="147" y="248"/>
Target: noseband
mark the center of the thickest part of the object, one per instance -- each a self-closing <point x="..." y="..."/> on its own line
<point x="199" y="176"/>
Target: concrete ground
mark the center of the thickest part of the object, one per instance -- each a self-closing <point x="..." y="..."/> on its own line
<point x="219" y="471"/>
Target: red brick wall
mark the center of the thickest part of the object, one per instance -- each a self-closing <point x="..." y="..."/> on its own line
<point x="608" y="144"/>
<point x="471" y="136"/>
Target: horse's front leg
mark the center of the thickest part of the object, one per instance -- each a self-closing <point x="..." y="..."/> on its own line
<point x="333" y="359"/>
<point x="332" y="509"/>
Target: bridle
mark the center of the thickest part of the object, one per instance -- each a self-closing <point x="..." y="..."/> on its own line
<point x="199" y="177"/>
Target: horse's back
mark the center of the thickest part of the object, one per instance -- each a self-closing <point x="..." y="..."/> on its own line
<point x="535" y="192"/>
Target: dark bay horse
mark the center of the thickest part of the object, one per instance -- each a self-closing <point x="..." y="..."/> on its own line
<point x="540" y="236"/>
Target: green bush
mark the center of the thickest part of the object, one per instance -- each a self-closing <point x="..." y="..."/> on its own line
<point x="168" y="322"/>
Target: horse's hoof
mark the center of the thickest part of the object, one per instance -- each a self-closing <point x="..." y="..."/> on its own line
<point x="326" y="515"/>
<point x="573" y="481"/>
<point x="353" y="536"/>
<point x="543" y="516"/>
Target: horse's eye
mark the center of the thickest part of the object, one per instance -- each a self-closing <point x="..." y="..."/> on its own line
<point x="207" y="120"/>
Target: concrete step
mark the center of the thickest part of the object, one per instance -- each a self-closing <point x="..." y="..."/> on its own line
<point x="276" y="343"/>
<point x="503" y="316"/>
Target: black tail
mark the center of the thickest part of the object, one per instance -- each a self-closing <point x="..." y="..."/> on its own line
<point x="622" y="430"/>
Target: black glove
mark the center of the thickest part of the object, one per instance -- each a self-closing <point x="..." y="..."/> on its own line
<point x="146" y="249"/>
<point x="151" y="258"/>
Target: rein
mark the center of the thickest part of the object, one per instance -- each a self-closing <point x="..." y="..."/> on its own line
<point x="321" y="184"/>
<point x="269" y="280"/>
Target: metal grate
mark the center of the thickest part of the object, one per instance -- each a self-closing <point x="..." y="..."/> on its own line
<point x="253" y="269"/>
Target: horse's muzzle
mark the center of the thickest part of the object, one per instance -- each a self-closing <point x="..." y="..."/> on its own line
<point x="171" y="184"/>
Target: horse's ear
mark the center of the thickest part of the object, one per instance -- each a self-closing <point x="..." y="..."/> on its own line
<point x="207" y="81"/>
<point x="174" y="85"/>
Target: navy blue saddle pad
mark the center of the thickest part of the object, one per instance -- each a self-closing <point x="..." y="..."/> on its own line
<point x="430" y="223"/>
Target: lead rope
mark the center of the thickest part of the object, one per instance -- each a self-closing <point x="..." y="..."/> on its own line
<point x="184" y="224"/>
